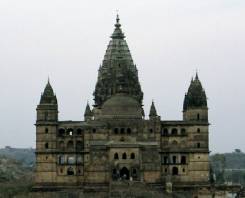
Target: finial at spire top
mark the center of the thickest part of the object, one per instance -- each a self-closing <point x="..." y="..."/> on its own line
<point x="118" y="19"/>
<point x="117" y="34"/>
<point x="196" y="77"/>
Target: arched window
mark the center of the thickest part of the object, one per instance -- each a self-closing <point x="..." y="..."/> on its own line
<point x="124" y="156"/>
<point x="70" y="145"/>
<point x="165" y="132"/>
<point x="183" y="131"/>
<point x="79" y="159"/>
<point x="174" y="131"/>
<point x="134" y="172"/>
<point x="61" y="159"/>
<point x="46" y="145"/>
<point x="71" y="160"/>
<point x="128" y="131"/>
<point x="46" y="130"/>
<point x="116" y="130"/>
<point x="183" y="159"/>
<point x="198" y="145"/>
<point x="198" y="130"/>
<point x="132" y="156"/>
<point x="175" y="171"/>
<point x="69" y="132"/>
<point x="62" y="145"/>
<point x="70" y="171"/>
<point x="174" y="159"/>
<point x="116" y="156"/>
<point x="79" y="131"/>
<point x="94" y="130"/>
<point x="198" y="116"/>
<point x="79" y="145"/>
<point x="122" y="130"/>
<point x="165" y="160"/>
<point x="151" y="130"/>
<point x="61" y="132"/>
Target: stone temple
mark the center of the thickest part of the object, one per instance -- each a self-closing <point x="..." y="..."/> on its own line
<point x="115" y="143"/>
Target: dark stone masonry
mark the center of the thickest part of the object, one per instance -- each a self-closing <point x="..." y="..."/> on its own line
<point x="117" y="151"/>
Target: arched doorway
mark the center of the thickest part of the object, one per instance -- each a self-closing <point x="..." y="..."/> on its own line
<point x="175" y="171"/>
<point x="124" y="173"/>
<point x="70" y="171"/>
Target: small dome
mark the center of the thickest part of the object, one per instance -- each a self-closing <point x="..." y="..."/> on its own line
<point x="121" y="106"/>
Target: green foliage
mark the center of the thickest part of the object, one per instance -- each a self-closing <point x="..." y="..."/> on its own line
<point x="229" y="167"/>
<point x="24" y="156"/>
<point x="15" y="177"/>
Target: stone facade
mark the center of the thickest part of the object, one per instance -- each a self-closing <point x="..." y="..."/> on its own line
<point x="116" y="142"/>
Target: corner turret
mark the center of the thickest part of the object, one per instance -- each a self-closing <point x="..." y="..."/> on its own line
<point x="195" y="102"/>
<point x="46" y="133"/>
<point x="153" y="112"/>
<point x="47" y="110"/>
<point x="88" y="113"/>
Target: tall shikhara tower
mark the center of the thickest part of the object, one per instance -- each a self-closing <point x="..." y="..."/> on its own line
<point x="118" y="73"/>
<point x="116" y="142"/>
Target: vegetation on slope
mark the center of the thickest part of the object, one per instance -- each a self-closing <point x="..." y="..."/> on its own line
<point x="16" y="172"/>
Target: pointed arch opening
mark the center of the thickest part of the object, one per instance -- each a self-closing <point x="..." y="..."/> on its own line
<point x="124" y="156"/>
<point x="116" y="157"/>
<point x="70" y="171"/>
<point x="175" y="171"/>
<point x="124" y="173"/>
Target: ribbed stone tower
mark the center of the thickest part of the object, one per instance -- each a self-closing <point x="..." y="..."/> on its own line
<point x="195" y="102"/>
<point x="118" y="73"/>
<point x="118" y="92"/>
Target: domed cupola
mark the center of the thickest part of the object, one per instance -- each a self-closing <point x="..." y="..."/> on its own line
<point x="195" y="102"/>
<point x="121" y="106"/>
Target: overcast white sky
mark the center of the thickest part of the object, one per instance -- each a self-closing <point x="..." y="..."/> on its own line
<point x="168" y="39"/>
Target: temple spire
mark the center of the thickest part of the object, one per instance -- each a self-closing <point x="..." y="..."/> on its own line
<point x="153" y="112"/>
<point x="196" y="77"/>
<point x="48" y="95"/>
<point x="196" y="96"/>
<point x="88" y="113"/>
<point x="118" y="73"/>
